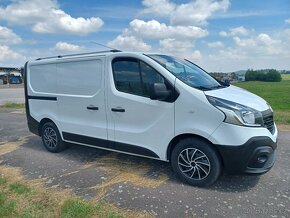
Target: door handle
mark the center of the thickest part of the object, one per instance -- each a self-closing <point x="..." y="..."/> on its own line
<point x="118" y="110"/>
<point x="92" y="108"/>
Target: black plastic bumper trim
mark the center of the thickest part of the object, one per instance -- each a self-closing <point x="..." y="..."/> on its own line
<point x="47" y="98"/>
<point x="239" y="159"/>
<point x="103" y="143"/>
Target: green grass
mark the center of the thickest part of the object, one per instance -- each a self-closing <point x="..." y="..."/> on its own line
<point x="75" y="208"/>
<point x="19" y="188"/>
<point x="20" y="199"/>
<point x="276" y="93"/>
<point x="3" y="181"/>
<point x="7" y="207"/>
<point x="13" y="105"/>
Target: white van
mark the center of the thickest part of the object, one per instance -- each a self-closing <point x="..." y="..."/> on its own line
<point x="150" y="105"/>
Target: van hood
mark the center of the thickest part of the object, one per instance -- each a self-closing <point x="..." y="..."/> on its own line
<point x="240" y="96"/>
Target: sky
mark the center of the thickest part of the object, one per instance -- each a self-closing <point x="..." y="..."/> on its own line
<point x="218" y="35"/>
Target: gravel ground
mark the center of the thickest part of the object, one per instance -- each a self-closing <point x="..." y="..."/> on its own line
<point x="11" y="95"/>
<point x="144" y="184"/>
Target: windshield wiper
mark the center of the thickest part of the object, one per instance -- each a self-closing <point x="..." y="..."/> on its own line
<point x="218" y="87"/>
<point x="203" y="88"/>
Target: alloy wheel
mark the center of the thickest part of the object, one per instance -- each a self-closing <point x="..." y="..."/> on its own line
<point x="50" y="137"/>
<point x="194" y="164"/>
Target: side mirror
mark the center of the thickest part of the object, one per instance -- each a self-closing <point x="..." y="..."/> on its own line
<point x="227" y="82"/>
<point x="159" y="91"/>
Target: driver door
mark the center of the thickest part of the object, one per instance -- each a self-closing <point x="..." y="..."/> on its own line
<point x="141" y="125"/>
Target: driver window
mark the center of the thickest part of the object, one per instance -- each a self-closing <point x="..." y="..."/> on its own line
<point x="149" y="76"/>
<point x="127" y="76"/>
<point x="135" y="77"/>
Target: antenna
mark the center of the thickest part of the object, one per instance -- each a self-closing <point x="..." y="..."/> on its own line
<point x="103" y="45"/>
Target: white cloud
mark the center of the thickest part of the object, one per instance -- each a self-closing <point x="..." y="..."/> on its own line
<point x="179" y="48"/>
<point x="223" y="33"/>
<point x="287" y="21"/>
<point x="129" y="43"/>
<point x="154" y="29"/>
<point x="260" y="45"/>
<point x="7" y="36"/>
<point x="45" y="16"/>
<point x="197" y="12"/>
<point x="217" y="44"/>
<point x="158" y="7"/>
<point x="193" y="55"/>
<point x="175" y="37"/>
<point x="244" y="42"/>
<point x="243" y="13"/>
<point x="237" y="31"/>
<point x="172" y="45"/>
<point x="271" y="46"/>
<point x="228" y="54"/>
<point x="179" y="36"/>
<point x="255" y="51"/>
<point x="266" y="39"/>
<point x="7" y="55"/>
<point x="193" y="13"/>
<point x="64" y="46"/>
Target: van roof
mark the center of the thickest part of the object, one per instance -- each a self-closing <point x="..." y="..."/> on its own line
<point x="79" y="54"/>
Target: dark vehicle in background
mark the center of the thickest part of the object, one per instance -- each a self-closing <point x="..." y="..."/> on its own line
<point x="15" y="80"/>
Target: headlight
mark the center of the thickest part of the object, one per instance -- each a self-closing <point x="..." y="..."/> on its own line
<point x="236" y="113"/>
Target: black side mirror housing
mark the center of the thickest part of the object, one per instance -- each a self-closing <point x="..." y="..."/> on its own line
<point x="159" y="91"/>
<point x="227" y="82"/>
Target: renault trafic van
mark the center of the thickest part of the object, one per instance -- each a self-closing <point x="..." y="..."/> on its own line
<point x="150" y="105"/>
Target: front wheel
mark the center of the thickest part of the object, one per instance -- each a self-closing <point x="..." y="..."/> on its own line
<point x="195" y="162"/>
<point x="51" y="138"/>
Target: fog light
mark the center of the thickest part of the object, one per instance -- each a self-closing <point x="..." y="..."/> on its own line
<point x="262" y="159"/>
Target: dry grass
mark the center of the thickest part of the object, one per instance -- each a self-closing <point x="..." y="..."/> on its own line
<point x="38" y="201"/>
<point x="7" y="147"/>
<point x="18" y="111"/>
<point x="283" y="127"/>
<point x="282" y="117"/>
<point x="13" y="105"/>
<point x="120" y="171"/>
<point x="48" y="201"/>
<point x="20" y="197"/>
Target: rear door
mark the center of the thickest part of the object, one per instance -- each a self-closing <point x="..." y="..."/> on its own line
<point x="141" y="125"/>
<point x="81" y="100"/>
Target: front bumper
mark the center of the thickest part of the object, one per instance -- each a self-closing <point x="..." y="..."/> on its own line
<point x="256" y="156"/>
<point x="245" y="149"/>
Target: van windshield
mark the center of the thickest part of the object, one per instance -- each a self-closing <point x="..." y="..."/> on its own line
<point x="187" y="72"/>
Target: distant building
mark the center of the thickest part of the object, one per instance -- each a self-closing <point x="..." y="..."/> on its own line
<point x="11" y="75"/>
<point x="241" y="78"/>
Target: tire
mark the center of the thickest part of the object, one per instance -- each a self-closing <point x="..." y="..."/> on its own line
<point x="195" y="162"/>
<point x="51" y="138"/>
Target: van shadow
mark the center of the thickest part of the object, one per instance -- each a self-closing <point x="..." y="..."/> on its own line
<point x="82" y="155"/>
<point x="235" y="183"/>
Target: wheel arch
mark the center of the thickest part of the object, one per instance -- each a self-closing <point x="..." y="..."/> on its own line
<point x="44" y="121"/>
<point x="177" y="138"/>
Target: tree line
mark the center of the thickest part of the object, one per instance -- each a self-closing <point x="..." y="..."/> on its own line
<point x="268" y="75"/>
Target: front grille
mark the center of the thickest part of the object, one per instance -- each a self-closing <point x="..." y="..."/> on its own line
<point x="268" y="121"/>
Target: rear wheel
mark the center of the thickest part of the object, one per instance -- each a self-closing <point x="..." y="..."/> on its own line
<point x="195" y="162"/>
<point x="51" y="138"/>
